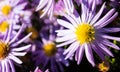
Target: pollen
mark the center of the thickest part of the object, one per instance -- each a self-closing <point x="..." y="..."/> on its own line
<point x="4" y="50"/>
<point x="4" y="26"/>
<point x="104" y="66"/>
<point x="34" y="35"/>
<point x="6" y="9"/>
<point x="85" y="33"/>
<point x="50" y="49"/>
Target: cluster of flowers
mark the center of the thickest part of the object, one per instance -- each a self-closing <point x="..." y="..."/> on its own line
<point x="54" y="32"/>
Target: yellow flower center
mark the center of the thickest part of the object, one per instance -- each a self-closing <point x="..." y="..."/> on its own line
<point x="4" y="50"/>
<point x="34" y="35"/>
<point x="85" y="33"/>
<point x="49" y="49"/>
<point x="104" y="66"/>
<point x="6" y="9"/>
<point x="4" y="26"/>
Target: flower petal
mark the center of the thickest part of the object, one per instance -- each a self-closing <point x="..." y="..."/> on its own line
<point x="21" y="40"/>
<point x="19" y="53"/>
<point x="97" y="16"/>
<point x="71" y="52"/>
<point x="80" y="54"/>
<point x="110" y="44"/>
<point x="109" y="30"/>
<point x="17" y="60"/>
<point x="65" y="38"/>
<point x="105" y="18"/>
<point x="11" y="66"/>
<point x="110" y="37"/>
<point x="104" y="48"/>
<point x="22" y="48"/>
<point x="65" y="24"/>
<point x="89" y="54"/>
<point x="66" y="43"/>
<point x="108" y="21"/>
<point x="95" y="47"/>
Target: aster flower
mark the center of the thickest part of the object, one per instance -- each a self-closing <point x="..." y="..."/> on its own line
<point x="48" y="7"/>
<point x="87" y="32"/>
<point x="49" y="56"/>
<point x="11" y="9"/>
<point x="9" y="49"/>
<point x="4" y="25"/>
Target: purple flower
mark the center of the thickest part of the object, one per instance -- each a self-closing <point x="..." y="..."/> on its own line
<point x="12" y="9"/>
<point x="9" y="49"/>
<point x="48" y="55"/>
<point x="87" y="32"/>
<point x="4" y="26"/>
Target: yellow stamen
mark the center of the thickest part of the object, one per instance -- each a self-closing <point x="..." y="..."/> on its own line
<point x="85" y="33"/>
<point x="104" y="66"/>
<point x="6" y="9"/>
<point x="35" y="34"/>
<point x="50" y="49"/>
<point x="4" y="50"/>
<point x="4" y="26"/>
<point x="41" y="12"/>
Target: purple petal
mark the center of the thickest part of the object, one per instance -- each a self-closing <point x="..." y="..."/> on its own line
<point x="84" y="8"/>
<point x="97" y="16"/>
<point x="110" y="30"/>
<point x="53" y="65"/>
<point x="7" y="67"/>
<point x="14" y="2"/>
<point x="89" y="54"/>
<point x="72" y="20"/>
<point x="11" y="66"/>
<point x="18" y="33"/>
<point x="19" y="53"/>
<point x="20" y="7"/>
<point x="50" y="12"/>
<point x="17" y="60"/>
<point x="110" y="44"/>
<point x="60" y="67"/>
<point x="93" y="6"/>
<point x="9" y="32"/>
<point x="66" y="43"/>
<point x="105" y="18"/>
<point x="3" y="66"/>
<point x="104" y="48"/>
<point x="110" y="37"/>
<point x="21" y="40"/>
<point x="108" y="21"/>
<point x="69" y="6"/>
<point x="46" y="62"/>
<point x="80" y="54"/>
<point x="47" y="8"/>
<point x="73" y="49"/>
<point x="99" y="53"/>
<point x="22" y="48"/>
<point x="65" y="24"/>
<point x="76" y="54"/>
<point x="65" y="38"/>
<point x="69" y="48"/>
<point x="42" y="3"/>
<point x="63" y="32"/>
